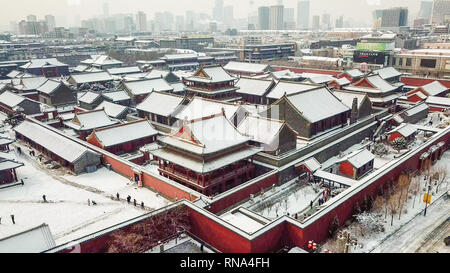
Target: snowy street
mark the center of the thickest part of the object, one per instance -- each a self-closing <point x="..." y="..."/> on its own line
<point x="422" y="234"/>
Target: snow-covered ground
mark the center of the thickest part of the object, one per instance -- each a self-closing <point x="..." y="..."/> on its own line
<point x="413" y="229"/>
<point x="289" y="198"/>
<point x="67" y="211"/>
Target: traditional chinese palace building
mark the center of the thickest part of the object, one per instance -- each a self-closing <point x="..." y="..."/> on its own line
<point x="207" y="154"/>
<point x="211" y="82"/>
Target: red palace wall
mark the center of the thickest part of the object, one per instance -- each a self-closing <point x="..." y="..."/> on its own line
<point x="217" y="235"/>
<point x="347" y="169"/>
<point x="394" y="136"/>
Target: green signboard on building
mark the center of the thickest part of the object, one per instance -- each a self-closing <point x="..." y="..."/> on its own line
<point x="371" y="46"/>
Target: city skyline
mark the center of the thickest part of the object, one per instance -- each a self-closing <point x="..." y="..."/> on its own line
<point x="82" y="9"/>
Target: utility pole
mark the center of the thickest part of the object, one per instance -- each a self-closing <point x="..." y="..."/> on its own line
<point x="426" y="201"/>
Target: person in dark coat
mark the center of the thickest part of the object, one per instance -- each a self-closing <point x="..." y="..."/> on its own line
<point x="128" y="199"/>
<point x="142" y="205"/>
<point x="118" y="196"/>
<point x="134" y="202"/>
<point x="44" y="198"/>
<point x="311" y="204"/>
<point x="12" y="219"/>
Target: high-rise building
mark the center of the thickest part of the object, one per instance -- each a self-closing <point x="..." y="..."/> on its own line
<point x="326" y="21"/>
<point x="426" y="7"/>
<point x="276" y="20"/>
<point x="105" y="9"/>
<point x="316" y="22"/>
<point x="191" y="20"/>
<point x="340" y="22"/>
<point x="51" y="22"/>
<point x="141" y="21"/>
<point x="228" y="15"/>
<point x="179" y="23"/>
<point x="440" y="12"/>
<point x="263" y="18"/>
<point x="289" y="18"/>
<point x="394" y="18"/>
<point x="218" y="11"/>
<point x="31" y="18"/>
<point x="303" y="10"/>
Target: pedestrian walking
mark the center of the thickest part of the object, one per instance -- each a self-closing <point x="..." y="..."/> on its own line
<point x="142" y="205"/>
<point x="44" y="198"/>
<point x="118" y="196"/>
<point x="201" y="247"/>
<point x="12" y="219"/>
<point x="89" y="202"/>
<point x="21" y="180"/>
<point x="128" y="199"/>
<point x="311" y="204"/>
<point x="19" y="150"/>
<point x="134" y="202"/>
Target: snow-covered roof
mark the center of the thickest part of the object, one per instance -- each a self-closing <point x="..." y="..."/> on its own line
<point x="200" y="166"/>
<point x="432" y="100"/>
<point x="380" y="83"/>
<point x="342" y="81"/>
<point x="318" y="78"/>
<point x="35" y="240"/>
<point x="100" y="60"/>
<point x="253" y="86"/>
<point x="39" y="63"/>
<point x="124" y="70"/>
<point x="206" y="135"/>
<point x="398" y="119"/>
<point x="49" y="86"/>
<point x="161" y="104"/>
<point x="251" y="68"/>
<point x="355" y="73"/>
<point x="199" y="107"/>
<point x="24" y="84"/>
<point x="416" y="109"/>
<point x="11" y="99"/>
<point x="116" y="96"/>
<point x="111" y="109"/>
<point x="434" y="88"/>
<point x="261" y="129"/>
<point x="172" y="57"/>
<point x="92" y="77"/>
<point x="91" y="120"/>
<point x="55" y="143"/>
<point x="86" y="68"/>
<point x="405" y="130"/>
<point x="89" y="97"/>
<point x="359" y="158"/>
<point x="347" y="97"/>
<point x="124" y="133"/>
<point x="147" y="86"/>
<point x="387" y="73"/>
<point x="288" y="88"/>
<point x="316" y="105"/>
<point x="285" y="75"/>
<point x="335" y="178"/>
<point x="156" y="73"/>
<point x="312" y="164"/>
<point x="178" y="87"/>
<point x="211" y="74"/>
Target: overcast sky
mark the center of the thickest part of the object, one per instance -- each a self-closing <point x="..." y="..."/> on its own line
<point x="66" y="10"/>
